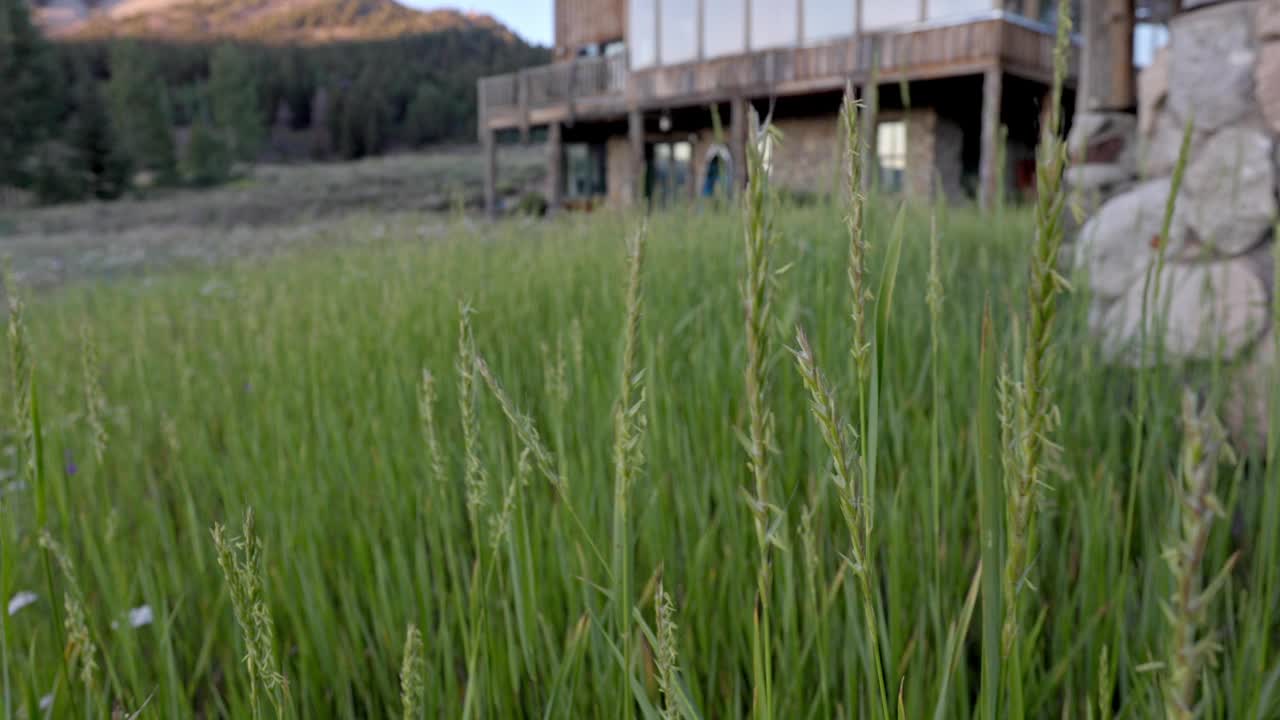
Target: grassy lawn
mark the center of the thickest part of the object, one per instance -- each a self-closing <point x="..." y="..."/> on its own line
<point x="272" y="208"/>
<point x="293" y="386"/>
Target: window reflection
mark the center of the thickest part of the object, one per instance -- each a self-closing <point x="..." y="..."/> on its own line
<point x="679" y="31"/>
<point x="880" y="14"/>
<point x="642" y="33"/>
<point x="773" y="23"/>
<point x="891" y="150"/>
<point x="827" y="19"/>
<point x="724" y="27"/>
<point x="957" y="8"/>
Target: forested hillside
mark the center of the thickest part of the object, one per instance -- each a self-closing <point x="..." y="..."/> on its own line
<point x="160" y="92"/>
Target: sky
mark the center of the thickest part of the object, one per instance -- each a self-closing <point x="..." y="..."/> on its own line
<point x="531" y="19"/>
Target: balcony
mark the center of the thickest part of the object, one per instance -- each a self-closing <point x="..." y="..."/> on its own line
<point x="602" y="87"/>
<point x="554" y="93"/>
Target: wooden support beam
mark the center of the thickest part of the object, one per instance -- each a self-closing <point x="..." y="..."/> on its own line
<point x="522" y="101"/>
<point x="555" y="167"/>
<point x="871" y="135"/>
<point x="635" y="135"/>
<point x="992" y="95"/>
<point x="739" y="132"/>
<point x="1107" y="75"/>
<point x="1033" y="9"/>
<point x="490" y="145"/>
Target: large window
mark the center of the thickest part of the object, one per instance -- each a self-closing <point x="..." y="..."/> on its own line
<point x="944" y="9"/>
<point x="671" y="173"/>
<point x="724" y="28"/>
<point x="1148" y="38"/>
<point x="773" y="23"/>
<point x="891" y="150"/>
<point x="584" y="170"/>
<point x="880" y="14"/>
<point x="642" y="33"/>
<point x="828" y="19"/>
<point x="679" y="28"/>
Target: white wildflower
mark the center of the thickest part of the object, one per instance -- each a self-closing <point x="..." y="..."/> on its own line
<point x="21" y="600"/>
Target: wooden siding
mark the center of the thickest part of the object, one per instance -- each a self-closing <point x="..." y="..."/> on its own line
<point x="588" y="22"/>
<point x="602" y="87"/>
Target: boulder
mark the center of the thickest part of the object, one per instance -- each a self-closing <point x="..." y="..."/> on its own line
<point x="1102" y="138"/>
<point x="1153" y="89"/>
<point x="1268" y="19"/>
<point x="1211" y="310"/>
<point x="1229" y="193"/>
<point x="1118" y="243"/>
<point x="1158" y="150"/>
<point x="1267" y="81"/>
<point x="1097" y="178"/>
<point x="1212" y="53"/>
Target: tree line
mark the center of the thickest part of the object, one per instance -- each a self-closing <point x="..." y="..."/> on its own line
<point x="103" y="118"/>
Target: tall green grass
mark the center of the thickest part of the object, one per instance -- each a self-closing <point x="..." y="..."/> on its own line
<point x="716" y="465"/>
<point x="295" y="388"/>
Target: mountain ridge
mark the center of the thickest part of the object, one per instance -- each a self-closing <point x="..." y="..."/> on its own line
<point x="262" y="21"/>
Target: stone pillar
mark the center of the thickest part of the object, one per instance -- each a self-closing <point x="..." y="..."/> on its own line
<point x="1217" y="278"/>
<point x="555" y="168"/>
<point x="490" y="145"/>
<point x="635" y="137"/>
<point x="739" y="133"/>
<point x="988" y="173"/>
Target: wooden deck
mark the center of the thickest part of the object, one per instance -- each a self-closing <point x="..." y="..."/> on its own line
<point x="602" y="87"/>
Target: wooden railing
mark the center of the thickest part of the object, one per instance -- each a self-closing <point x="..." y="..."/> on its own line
<point x="564" y="83"/>
<point x="604" y="85"/>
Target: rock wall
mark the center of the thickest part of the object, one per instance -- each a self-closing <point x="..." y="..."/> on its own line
<point x="1220" y="77"/>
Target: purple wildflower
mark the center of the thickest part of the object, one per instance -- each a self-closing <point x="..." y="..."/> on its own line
<point x="70" y="466"/>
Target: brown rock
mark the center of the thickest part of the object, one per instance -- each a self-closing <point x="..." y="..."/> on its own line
<point x="1268" y="19"/>
<point x="1153" y="88"/>
<point x="1267" y="81"/>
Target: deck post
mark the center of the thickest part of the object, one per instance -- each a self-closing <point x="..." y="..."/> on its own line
<point x="522" y="102"/>
<point x="490" y="145"/>
<point x="555" y="168"/>
<point x="870" y="135"/>
<point x="635" y="138"/>
<point x="738" y="137"/>
<point x="1107" y="75"/>
<point x="992" y="95"/>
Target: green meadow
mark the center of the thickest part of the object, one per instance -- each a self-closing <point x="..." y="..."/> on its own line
<point x="559" y="552"/>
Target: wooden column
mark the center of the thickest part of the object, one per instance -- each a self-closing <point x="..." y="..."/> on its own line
<point x="1107" y="76"/>
<point x="522" y="100"/>
<point x="870" y="135"/>
<point x="739" y="133"/>
<point x="555" y="168"/>
<point x="992" y="94"/>
<point x="635" y="136"/>
<point x="490" y="145"/>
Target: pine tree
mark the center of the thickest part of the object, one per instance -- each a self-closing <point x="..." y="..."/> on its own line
<point x="29" y="91"/>
<point x="140" y="112"/>
<point x="233" y="94"/>
<point x="103" y="163"/>
<point x="209" y="155"/>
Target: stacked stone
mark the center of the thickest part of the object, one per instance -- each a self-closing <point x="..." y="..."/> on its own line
<point x="1220" y="76"/>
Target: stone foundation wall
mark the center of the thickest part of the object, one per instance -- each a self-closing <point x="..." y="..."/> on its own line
<point x="809" y="160"/>
<point x="1219" y="76"/>
<point x="619" y="180"/>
